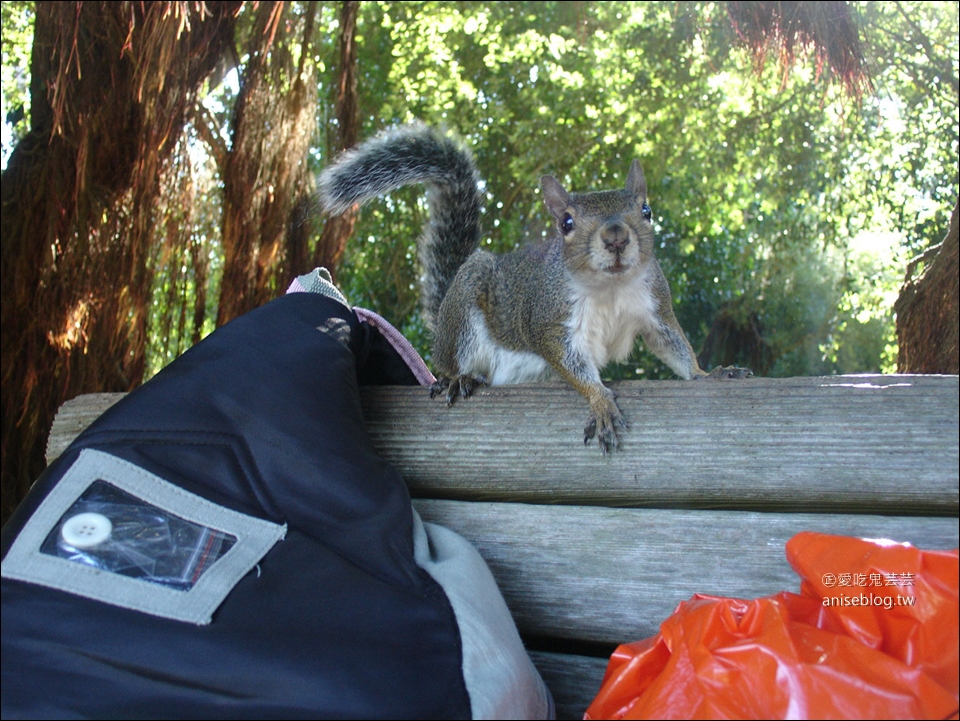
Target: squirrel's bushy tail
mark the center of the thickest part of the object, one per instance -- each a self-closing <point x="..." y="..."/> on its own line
<point x="404" y="156"/>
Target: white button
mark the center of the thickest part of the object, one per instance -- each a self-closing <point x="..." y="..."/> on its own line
<point x="86" y="530"/>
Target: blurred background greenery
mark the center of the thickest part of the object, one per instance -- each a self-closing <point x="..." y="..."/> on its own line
<point x="786" y="210"/>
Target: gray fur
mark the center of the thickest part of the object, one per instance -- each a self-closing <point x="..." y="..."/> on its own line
<point x="566" y="306"/>
<point x="405" y="156"/>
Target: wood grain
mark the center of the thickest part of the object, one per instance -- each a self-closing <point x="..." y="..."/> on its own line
<point x="613" y="574"/>
<point x="874" y="444"/>
<point x="73" y="417"/>
<point x="884" y="444"/>
<point x="573" y="680"/>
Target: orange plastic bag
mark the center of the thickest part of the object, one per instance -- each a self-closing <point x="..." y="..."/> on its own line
<point x="872" y="634"/>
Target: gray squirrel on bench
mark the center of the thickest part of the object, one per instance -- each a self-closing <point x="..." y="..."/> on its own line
<point x="563" y="308"/>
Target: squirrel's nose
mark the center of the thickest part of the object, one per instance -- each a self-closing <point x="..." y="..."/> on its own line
<point x="615" y="237"/>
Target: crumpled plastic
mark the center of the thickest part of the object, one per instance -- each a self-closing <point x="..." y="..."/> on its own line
<point x="873" y="633"/>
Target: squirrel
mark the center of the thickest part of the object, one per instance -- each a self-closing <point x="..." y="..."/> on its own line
<point x="564" y="307"/>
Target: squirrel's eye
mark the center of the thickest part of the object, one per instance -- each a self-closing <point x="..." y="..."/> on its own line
<point x="566" y="224"/>
<point x="646" y="212"/>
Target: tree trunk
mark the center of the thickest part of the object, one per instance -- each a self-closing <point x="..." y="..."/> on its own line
<point x="265" y="173"/>
<point x="927" y="311"/>
<point x="110" y="84"/>
<point x="337" y="230"/>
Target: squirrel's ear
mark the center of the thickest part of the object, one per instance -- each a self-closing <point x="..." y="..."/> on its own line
<point x="636" y="183"/>
<point x="556" y="198"/>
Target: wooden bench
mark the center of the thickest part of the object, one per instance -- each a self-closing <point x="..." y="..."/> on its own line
<point x="712" y="479"/>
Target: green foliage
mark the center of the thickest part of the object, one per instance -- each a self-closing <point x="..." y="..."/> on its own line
<point x="777" y="199"/>
<point x="188" y="266"/>
<point x="17" y="23"/>
<point x="188" y="262"/>
<point x="786" y="212"/>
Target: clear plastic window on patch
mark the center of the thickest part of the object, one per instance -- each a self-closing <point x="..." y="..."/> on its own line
<point x="112" y="530"/>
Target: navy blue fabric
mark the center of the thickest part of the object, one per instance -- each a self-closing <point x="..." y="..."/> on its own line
<point x="338" y="621"/>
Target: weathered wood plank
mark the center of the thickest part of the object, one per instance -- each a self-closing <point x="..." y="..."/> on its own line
<point x="613" y="574"/>
<point x="883" y="444"/>
<point x="73" y="417"/>
<point x="573" y="680"/>
<point x="860" y="444"/>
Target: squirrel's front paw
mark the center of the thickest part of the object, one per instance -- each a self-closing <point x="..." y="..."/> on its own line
<point x="729" y="373"/>
<point x="462" y="386"/>
<point x="603" y="424"/>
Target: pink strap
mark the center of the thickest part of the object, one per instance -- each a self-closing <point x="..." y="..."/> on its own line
<point x="400" y="344"/>
<point x="394" y="337"/>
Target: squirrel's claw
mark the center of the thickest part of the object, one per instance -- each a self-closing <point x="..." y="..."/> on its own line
<point x="462" y="386"/>
<point x="604" y="425"/>
<point x="468" y="384"/>
<point x="439" y="386"/>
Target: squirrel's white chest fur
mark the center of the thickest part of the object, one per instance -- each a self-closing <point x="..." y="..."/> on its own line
<point x="480" y="354"/>
<point x="605" y="318"/>
<point x="607" y="314"/>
